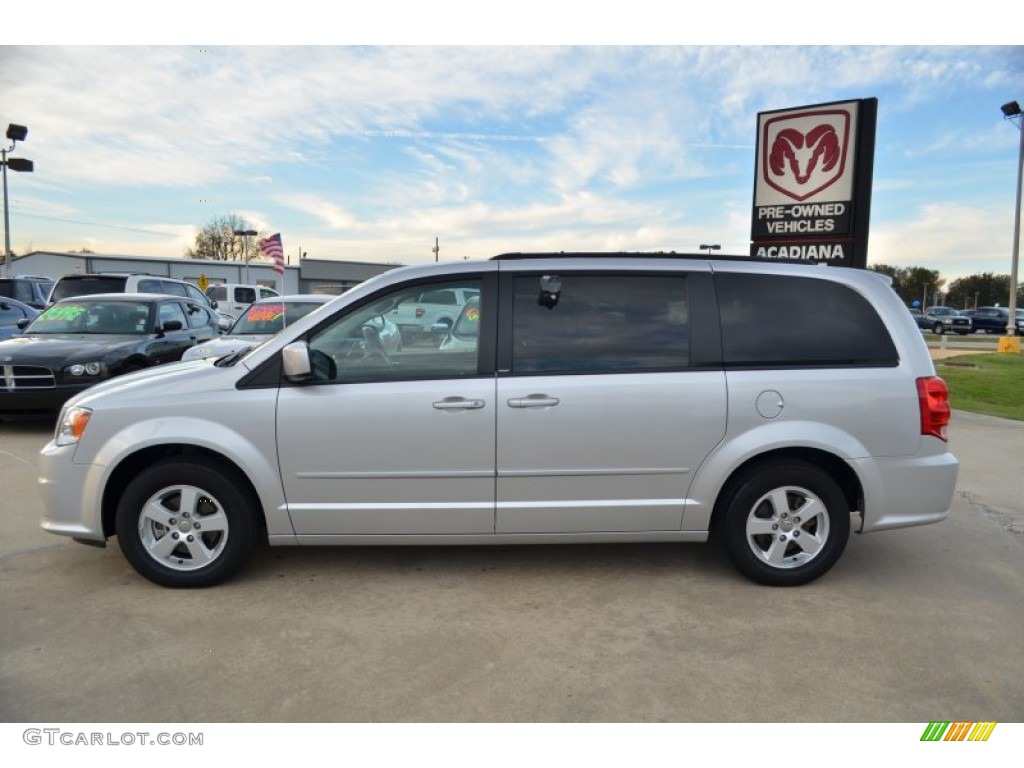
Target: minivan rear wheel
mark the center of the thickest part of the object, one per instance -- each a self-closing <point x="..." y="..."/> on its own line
<point x="184" y="524"/>
<point x="785" y="523"/>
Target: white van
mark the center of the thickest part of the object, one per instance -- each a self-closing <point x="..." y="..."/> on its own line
<point x="234" y="298"/>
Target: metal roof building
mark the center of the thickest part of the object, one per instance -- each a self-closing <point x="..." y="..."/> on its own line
<point x="310" y="276"/>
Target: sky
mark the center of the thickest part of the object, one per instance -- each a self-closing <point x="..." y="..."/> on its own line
<point x="376" y="151"/>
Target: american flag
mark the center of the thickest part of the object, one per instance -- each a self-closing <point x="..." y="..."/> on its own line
<point x="271" y="248"/>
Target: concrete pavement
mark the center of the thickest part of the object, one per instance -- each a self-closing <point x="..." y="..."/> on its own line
<point x="912" y="625"/>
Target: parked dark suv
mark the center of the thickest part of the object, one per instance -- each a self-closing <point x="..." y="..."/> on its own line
<point x="27" y="289"/>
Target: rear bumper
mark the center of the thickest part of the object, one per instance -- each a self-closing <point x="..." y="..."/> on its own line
<point x="906" y="491"/>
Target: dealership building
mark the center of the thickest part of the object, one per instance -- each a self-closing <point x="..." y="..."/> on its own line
<point x="309" y="276"/>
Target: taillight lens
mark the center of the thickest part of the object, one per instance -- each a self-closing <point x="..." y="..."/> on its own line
<point x="933" y="397"/>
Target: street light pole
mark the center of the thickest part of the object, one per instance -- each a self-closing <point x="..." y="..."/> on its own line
<point x="246" y="234"/>
<point x="15" y="133"/>
<point x="1010" y="111"/>
<point x="7" y="222"/>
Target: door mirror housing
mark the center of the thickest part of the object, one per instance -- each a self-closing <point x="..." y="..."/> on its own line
<point x="295" y="361"/>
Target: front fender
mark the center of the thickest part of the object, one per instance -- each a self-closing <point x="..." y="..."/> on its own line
<point x="251" y="448"/>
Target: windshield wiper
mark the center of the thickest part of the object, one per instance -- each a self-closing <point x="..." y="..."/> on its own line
<point x="232" y="357"/>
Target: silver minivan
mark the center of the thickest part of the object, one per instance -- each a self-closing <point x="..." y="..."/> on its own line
<point x="600" y="398"/>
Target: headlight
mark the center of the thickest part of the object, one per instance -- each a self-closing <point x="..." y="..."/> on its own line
<point x="92" y="369"/>
<point x="72" y="424"/>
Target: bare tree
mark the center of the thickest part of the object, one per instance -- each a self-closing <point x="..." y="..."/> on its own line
<point x="217" y="240"/>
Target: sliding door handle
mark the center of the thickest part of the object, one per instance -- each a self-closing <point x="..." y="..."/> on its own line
<point x="533" y="401"/>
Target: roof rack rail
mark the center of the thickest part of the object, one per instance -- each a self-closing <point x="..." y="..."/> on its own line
<point x="597" y="255"/>
<point x="644" y="255"/>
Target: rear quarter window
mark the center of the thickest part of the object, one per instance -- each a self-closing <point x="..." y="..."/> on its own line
<point x="786" y="321"/>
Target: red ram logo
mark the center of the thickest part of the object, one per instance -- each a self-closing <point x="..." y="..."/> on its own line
<point x="790" y="149"/>
<point x="801" y="163"/>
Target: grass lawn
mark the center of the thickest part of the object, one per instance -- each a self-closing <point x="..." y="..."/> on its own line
<point x="985" y="383"/>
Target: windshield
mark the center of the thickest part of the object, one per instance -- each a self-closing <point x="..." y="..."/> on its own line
<point x="93" y="317"/>
<point x="267" y="319"/>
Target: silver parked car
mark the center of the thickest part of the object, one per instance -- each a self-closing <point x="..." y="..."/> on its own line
<point x="593" y="398"/>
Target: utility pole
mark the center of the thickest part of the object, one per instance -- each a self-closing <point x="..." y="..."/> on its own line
<point x="436" y="249"/>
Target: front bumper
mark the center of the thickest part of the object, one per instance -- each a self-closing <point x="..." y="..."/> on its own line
<point x="73" y="505"/>
<point x="37" y="401"/>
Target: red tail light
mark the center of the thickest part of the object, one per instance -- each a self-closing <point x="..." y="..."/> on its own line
<point x="933" y="397"/>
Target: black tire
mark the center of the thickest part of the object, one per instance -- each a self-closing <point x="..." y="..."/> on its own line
<point x="199" y="544"/>
<point x="765" y="529"/>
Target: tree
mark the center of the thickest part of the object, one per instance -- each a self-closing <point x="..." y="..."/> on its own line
<point x="984" y="290"/>
<point x="912" y="283"/>
<point x="217" y="240"/>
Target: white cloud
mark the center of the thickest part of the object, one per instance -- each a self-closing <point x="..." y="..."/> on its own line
<point x="957" y="240"/>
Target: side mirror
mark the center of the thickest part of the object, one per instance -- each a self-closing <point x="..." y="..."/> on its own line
<point x="171" y="325"/>
<point x="300" y="363"/>
<point x="23" y="323"/>
<point x="295" y="361"/>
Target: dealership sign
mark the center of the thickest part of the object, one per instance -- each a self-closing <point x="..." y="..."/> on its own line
<point x="812" y="194"/>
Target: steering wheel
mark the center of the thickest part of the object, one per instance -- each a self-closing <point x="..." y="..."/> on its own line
<point x="374" y="345"/>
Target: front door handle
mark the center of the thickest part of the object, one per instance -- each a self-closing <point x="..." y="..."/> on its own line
<point x="458" y="404"/>
<point x="533" y="401"/>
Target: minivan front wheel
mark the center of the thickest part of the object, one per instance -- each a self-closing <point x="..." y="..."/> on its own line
<point x="785" y="523"/>
<point x="183" y="524"/>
